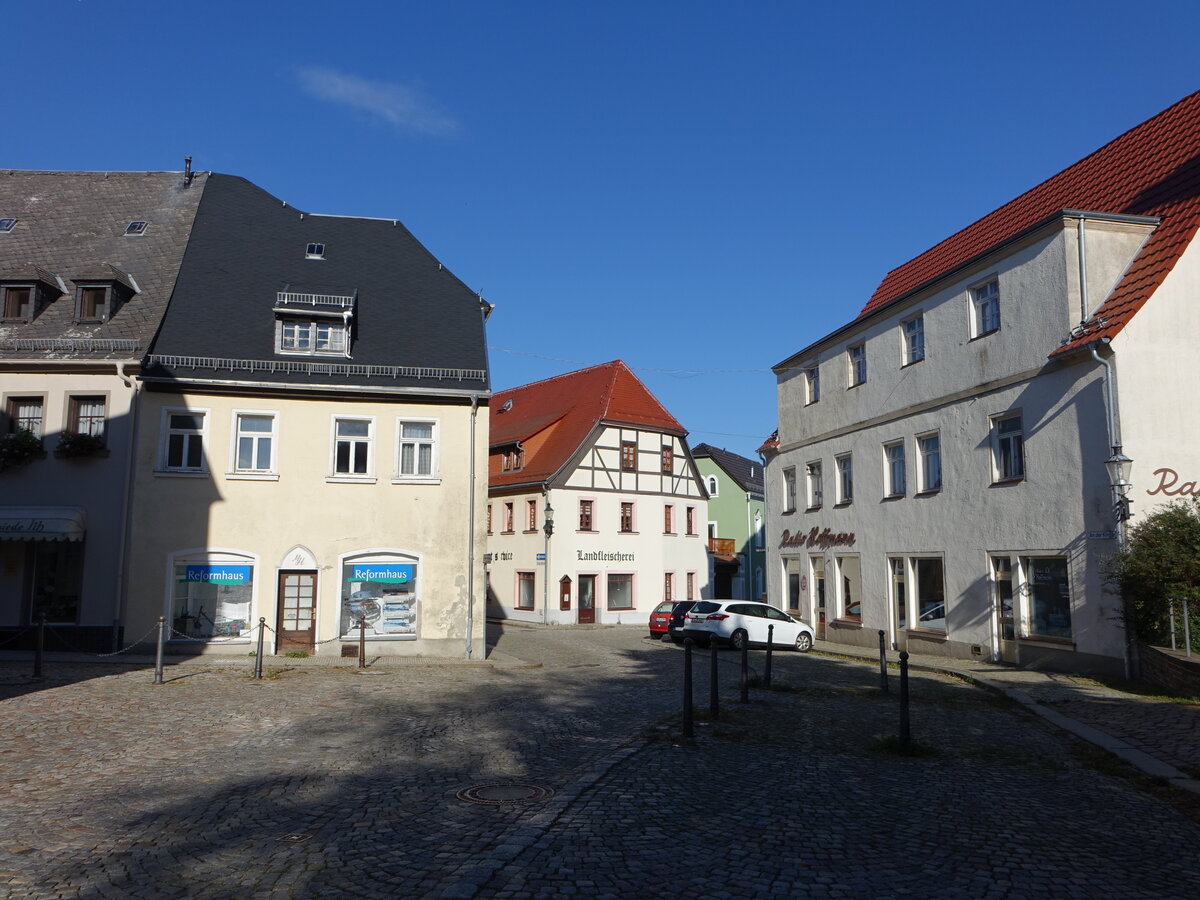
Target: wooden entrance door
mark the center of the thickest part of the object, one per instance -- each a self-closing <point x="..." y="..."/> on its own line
<point x="296" y="627"/>
<point x="587" y="599"/>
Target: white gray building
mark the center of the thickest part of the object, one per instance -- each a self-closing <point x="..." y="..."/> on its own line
<point x="939" y="471"/>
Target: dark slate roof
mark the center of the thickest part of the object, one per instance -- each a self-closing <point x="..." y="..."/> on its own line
<point x="71" y="225"/>
<point x="746" y="472"/>
<point x="415" y="324"/>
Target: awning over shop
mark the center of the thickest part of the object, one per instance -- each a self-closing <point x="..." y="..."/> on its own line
<point x="42" y="523"/>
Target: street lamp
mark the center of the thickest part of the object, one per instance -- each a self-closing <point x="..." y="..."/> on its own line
<point x="1118" y="478"/>
<point x="548" y="522"/>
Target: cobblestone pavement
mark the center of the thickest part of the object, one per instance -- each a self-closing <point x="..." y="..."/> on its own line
<point x="327" y="782"/>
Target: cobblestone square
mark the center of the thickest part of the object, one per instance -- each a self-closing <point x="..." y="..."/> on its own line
<point x="329" y="782"/>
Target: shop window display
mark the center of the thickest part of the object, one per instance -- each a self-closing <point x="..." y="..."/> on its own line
<point x="383" y="591"/>
<point x="212" y="600"/>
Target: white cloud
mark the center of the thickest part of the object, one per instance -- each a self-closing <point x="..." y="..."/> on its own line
<point x="402" y="107"/>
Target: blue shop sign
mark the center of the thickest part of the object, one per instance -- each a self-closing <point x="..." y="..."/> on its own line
<point x="218" y="574"/>
<point x="381" y="573"/>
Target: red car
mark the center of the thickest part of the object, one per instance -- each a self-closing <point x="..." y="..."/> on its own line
<point x="660" y="619"/>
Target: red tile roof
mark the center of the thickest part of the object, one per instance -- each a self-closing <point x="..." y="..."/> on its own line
<point x="1151" y="170"/>
<point x="552" y="418"/>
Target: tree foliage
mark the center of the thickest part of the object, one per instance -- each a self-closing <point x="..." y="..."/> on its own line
<point x="1161" y="562"/>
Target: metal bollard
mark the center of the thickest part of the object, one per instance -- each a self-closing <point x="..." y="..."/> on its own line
<point x="745" y="678"/>
<point x="883" y="679"/>
<point x="767" y="664"/>
<point x="258" y="654"/>
<point x="362" y="642"/>
<point x="39" y="649"/>
<point x="1171" y="607"/>
<point x="714" y="701"/>
<point x="1187" y="628"/>
<point x="158" y="649"/>
<point x="688" y="730"/>
<point x="905" y="734"/>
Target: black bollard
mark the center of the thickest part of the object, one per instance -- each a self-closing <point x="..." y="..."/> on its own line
<point x="362" y="642"/>
<point x="158" y="649"/>
<point x="883" y="679"/>
<point x="714" y="702"/>
<point x="258" y="654"/>
<point x="745" y="678"/>
<point x="39" y="649"/>
<point x="688" y="730"/>
<point x="767" y="664"/>
<point x="905" y="735"/>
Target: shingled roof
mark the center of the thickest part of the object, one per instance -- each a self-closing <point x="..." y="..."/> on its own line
<point x="415" y="325"/>
<point x="551" y="419"/>
<point x="71" y="226"/>
<point x="746" y="472"/>
<point x="1151" y="170"/>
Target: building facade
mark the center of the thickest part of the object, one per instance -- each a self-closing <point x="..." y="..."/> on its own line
<point x="939" y="473"/>
<point x="88" y="262"/>
<point x="596" y="457"/>
<point x="736" y="523"/>
<point x="299" y="438"/>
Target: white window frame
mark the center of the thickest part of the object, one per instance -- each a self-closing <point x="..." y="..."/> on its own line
<point x="895" y="480"/>
<point x="789" y="489"/>
<point x="812" y="384"/>
<point x="1000" y="441"/>
<point x="164" y="442"/>
<point x="814" y="486"/>
<point x="924" y="456"/>
<point x="271" y="473"/>
<point x="845" y="478"/>
<point x="711" y="483"/>
<point x="912" y="336"/>
<point x="282" y="323"/>
<point x="856" y="358"/>
<point x="985" y="307"/>
<point x="334" y="475"/>
<point x="434" y="476"/>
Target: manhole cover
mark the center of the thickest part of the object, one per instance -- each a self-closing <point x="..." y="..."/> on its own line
<point x="499" y="793"/>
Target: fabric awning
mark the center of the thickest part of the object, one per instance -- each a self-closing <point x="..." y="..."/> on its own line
<point x="42" y="523"/>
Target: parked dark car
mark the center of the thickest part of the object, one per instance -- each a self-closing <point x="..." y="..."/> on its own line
<point x="679" y="619"/>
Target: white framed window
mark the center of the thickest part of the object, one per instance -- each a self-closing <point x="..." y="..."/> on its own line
<point x="893" y="459"/>
<point x="789" y="490"/>
<point x="930" y="448"/>
<point x="352" y="453"/>
<point x="857" y="358"/>
<point x="985" y="308"/>
<point x="310" y="337"/>
<point x="849" y="571"/>
<point x="813" y="477"/>
<point x="416" y="450"/>
<point x="812" y="384"/>
<point x="931" y="592"/>
<point x="25" y="414"/>
<point x="1008" y="447"/>
<point x="913" y="331"/>
<point x="87" y="416"/>
<point x="254" y="443"/>
<point x="182" y="439"/>
<point x="845" y="473"/>
<point x="1047" y="594"/>
<point x="712" y="485"/>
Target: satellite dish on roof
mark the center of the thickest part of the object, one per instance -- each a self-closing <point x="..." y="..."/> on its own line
<point x="507" y="406"/>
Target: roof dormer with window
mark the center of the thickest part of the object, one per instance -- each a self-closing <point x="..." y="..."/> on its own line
<point x="25" y="291"/>
<point x="101" y="291"/>
<point x="309" y="324"/>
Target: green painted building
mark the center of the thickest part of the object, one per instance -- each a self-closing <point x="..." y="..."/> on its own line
<point x="736" y="518"/>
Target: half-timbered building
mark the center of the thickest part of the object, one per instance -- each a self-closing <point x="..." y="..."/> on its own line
<point x="596" y="511"/>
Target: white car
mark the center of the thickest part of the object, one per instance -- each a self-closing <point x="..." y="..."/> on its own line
<point x="743" y="624"/>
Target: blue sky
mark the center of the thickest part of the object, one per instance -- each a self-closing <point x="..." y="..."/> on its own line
<point x="699" y="189"/>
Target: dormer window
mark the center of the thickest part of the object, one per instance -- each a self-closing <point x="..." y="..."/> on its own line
<point x="24" y="292"/>
<point x="100" y="293"/>
<point x="7" y="225"/>
<point x="315" y="251"/>
<point x="313" y="324"/>
<point x="135" y="229"/>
